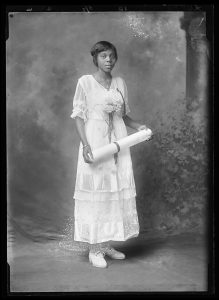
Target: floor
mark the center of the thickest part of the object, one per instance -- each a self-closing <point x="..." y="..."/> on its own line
<point x="173" y="263"/>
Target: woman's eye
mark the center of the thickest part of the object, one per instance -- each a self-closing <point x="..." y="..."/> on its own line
<point x="103" y="56"/>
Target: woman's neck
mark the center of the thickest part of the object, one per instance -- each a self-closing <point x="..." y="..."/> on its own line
<point x="103" y="75"/>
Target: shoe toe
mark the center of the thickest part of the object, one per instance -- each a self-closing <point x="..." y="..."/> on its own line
<point x="97" y="261"/>
<point x="119" y="256"/>
<point x="115" y="254"/>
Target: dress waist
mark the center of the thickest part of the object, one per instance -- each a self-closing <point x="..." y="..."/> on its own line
<point x="96" y="115"/>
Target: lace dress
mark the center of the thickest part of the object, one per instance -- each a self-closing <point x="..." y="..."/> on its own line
<point x="105" y="204"/>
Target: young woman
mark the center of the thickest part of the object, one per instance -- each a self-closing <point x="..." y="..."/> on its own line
<point x="105" y="204"/>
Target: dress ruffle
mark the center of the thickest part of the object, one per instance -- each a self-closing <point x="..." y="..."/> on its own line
<point x="104" y="196"/>
<point x="97" y="222"/>
<point x="104" y="182"/>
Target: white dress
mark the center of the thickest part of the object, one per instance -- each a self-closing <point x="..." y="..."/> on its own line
<point x="105" y="203"/>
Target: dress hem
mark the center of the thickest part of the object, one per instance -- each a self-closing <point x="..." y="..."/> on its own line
<point x="108" y="240"/>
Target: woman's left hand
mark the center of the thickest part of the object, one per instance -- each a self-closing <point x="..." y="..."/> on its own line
<point x="142" y="127"/>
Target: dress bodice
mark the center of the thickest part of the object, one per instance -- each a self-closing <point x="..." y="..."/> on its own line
<point x="94" y="101"/>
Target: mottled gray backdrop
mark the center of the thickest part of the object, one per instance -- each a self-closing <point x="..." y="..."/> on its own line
<point x="46" y="54"/>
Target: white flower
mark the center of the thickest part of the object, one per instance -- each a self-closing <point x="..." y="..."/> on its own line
<point x="113" y="102"/>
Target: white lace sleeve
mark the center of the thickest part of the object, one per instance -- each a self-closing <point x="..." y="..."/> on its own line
<point x="79" y="103"/>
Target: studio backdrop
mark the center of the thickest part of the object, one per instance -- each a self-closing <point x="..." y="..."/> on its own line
<point x="46" y="54"/>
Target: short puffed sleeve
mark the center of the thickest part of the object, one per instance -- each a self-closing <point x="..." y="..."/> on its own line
<point x="79" y="103"/>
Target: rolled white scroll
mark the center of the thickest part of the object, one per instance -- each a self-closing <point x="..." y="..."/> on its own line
<point x="123" y="143"/>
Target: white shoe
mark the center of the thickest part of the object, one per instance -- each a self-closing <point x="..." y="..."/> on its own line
<point x="114" y="254"/>
<point x="97" y="259"/>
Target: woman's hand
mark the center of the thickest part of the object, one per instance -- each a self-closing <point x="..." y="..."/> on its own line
<point x="144" y="127"/>
<point x="135" y="125"/>
<point x="88" y="155"/>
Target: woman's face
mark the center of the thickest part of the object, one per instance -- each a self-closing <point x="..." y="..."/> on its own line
<point x="106" y="60"/>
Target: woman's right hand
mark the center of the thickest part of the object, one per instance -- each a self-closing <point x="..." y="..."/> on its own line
<point x="88" y="155"/>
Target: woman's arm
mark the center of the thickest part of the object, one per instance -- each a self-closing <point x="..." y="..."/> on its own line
<point x="133" y="124"/>
<point x="87" y="153"/>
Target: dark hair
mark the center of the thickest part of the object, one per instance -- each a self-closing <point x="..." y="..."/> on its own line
<point x="102" y="46"/>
